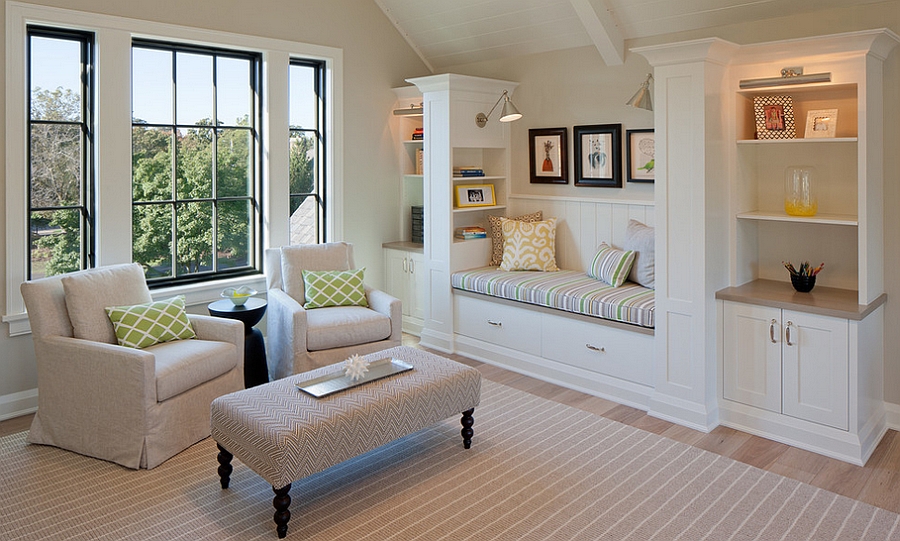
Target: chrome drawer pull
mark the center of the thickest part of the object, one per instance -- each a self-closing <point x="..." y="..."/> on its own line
<point x="772" y="331"/>
<point x="495" y="323"/>
<point x="787" y="333"/>
<point x="595" y="348"/>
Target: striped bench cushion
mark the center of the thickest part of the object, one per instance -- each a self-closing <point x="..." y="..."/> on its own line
<point x="571" y="291"/>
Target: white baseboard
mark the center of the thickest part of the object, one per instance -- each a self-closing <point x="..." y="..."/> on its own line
<point x="892" y="414"/>
<point x="18" y="404"/>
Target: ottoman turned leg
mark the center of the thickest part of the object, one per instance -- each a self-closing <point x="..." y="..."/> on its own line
<point x="467" y="421"/>
<point x="225" y="467"/>
<point x="281" y="502"/>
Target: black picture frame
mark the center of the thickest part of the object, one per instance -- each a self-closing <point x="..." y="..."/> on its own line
<point x="550" y="162"/>
<point x="640" y="155"/>
<point x="598" y="155"/>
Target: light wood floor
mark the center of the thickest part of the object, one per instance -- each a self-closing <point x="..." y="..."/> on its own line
<point x="878" y="483"/>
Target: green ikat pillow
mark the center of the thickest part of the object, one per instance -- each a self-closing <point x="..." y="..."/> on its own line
<point x="334" y="288"/>
<point x="144" y="325"/>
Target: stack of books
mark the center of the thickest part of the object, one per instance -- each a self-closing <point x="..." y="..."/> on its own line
<point x="418" y="223"/>
<point x="418" y="134"/>
<point x="468" y="172"/>
<point x="470" y="232"/>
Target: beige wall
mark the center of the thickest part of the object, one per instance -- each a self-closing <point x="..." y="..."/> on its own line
<point x="376" y="58"/>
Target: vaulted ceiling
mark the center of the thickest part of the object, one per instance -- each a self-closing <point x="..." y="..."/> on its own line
<point x="450" y="32"/>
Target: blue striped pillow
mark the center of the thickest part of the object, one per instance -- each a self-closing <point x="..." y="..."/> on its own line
<point x="611" y="265"/>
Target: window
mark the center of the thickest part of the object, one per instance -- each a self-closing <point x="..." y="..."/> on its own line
<point x="60" y="150"/>
<point x="307" y="195"/>
<point x="195" y="161"/>
<point x="99" y="207"/>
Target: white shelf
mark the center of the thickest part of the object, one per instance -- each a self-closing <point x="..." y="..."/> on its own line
<point x="477" y="209"/>
<point x="413" y="141"/>
<point x="478" y="180"/>
<point x="800" y="140"/>
<point x="831" y="219"/>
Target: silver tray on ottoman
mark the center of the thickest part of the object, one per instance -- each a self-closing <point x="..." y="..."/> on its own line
<point x="332" y="383"/>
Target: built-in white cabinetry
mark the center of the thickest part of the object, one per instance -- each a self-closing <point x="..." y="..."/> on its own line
<point x="786" y="361"/>
<point x="404" y="279"/>
<point x="453" y="140"/>
<point x="404" y="259"/>
<point x="723" y="233"/>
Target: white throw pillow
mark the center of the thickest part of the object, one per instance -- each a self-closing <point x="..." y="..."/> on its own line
<point x="639" y="239"/>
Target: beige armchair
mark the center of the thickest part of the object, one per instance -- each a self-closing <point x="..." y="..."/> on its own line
<point x="135" y="407"/>
<point x="298" y="339"/>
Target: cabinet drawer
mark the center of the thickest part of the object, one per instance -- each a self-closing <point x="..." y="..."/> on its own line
<point x="598" y="348"/>
<point x="498" y="324"/>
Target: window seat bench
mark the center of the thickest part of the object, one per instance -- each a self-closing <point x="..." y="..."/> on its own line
<point x="564" y="327"/>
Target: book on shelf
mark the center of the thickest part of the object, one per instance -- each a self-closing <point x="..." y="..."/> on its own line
<point x="420" y="161"/>
<point x="468" y="172"/>
<point x="418" y="134"/>
<point x="470" y="232"/>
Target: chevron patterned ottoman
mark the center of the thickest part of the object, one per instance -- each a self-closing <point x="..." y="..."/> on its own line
<point x="284" y="434"/>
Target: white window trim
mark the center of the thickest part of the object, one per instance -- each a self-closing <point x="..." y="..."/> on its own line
<point x="113" y="143"/>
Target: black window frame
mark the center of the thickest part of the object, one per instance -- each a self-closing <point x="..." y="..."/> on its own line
<point x="86" y="207"/>
<point x="319" y="192"/>
<point x="256" y="225"/>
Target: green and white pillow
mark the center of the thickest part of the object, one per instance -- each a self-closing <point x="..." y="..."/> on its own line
<point x="143" y="325"/>
<point x="611" y="265"/>
<point x="334" y="288"/>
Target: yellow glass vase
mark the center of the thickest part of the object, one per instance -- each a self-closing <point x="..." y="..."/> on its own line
<point x="799" y="191"/>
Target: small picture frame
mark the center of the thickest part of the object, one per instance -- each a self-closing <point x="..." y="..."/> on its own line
<point x="549" y="155"/>
<point x="475" y="195"/>
<point x="820" y="123"/>
<point x="598" y="155"/>
<point x="774" y="117"/>
<point x="640" y="147"/>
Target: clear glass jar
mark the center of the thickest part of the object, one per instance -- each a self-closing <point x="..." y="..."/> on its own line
<point x="799" y="191"/>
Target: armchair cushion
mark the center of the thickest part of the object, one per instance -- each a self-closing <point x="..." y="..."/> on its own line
<point x="342" y="326"/>
<point x="88" y="294"/>
<point x="334" y="288"/>
<point x="185" y="364"/>
<point x="144" y="325"/>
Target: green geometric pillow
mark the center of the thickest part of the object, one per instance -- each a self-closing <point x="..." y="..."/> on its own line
<point x="334" y="288"/>
<point x="144" y="325"/>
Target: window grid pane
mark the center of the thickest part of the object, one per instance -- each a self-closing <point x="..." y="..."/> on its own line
<point x="305" y="141"/>
<point x="210" y="183"/>
<point x="60" y="172"/>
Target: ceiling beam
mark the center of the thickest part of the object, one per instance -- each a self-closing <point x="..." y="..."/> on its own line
<point x="601" y="27"/>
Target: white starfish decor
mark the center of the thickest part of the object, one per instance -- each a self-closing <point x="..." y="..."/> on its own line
<point x="356" y="367"/>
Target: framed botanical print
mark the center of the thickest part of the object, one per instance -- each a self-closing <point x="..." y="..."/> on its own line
<point x="640" y="148"/>
<point x="598" y="155"/>
<point x="549" y="155"/>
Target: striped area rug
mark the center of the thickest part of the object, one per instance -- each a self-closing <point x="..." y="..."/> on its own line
<point x="537" y="470"/>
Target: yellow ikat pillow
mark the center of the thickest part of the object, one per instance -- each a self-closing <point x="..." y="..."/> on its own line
<point x="529" y="246"/>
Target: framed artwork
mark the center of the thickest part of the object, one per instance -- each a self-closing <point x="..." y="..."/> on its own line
<point x="475" y="195"/>
<point x="640" y="149"/>
<point x="547" y="149"/>
<point x="774" y="117"/>
<point x="820" y="123"/>
<point x="598" y="155"/>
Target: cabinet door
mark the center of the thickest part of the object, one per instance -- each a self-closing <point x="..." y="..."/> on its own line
<point x="752" y="355"/>
<point x="397" y="276"/>
<point x="816" y="368"/>
<point x="416" y="285"/>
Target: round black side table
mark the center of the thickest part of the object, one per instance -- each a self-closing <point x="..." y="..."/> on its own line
<point x="256" y="372"/>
